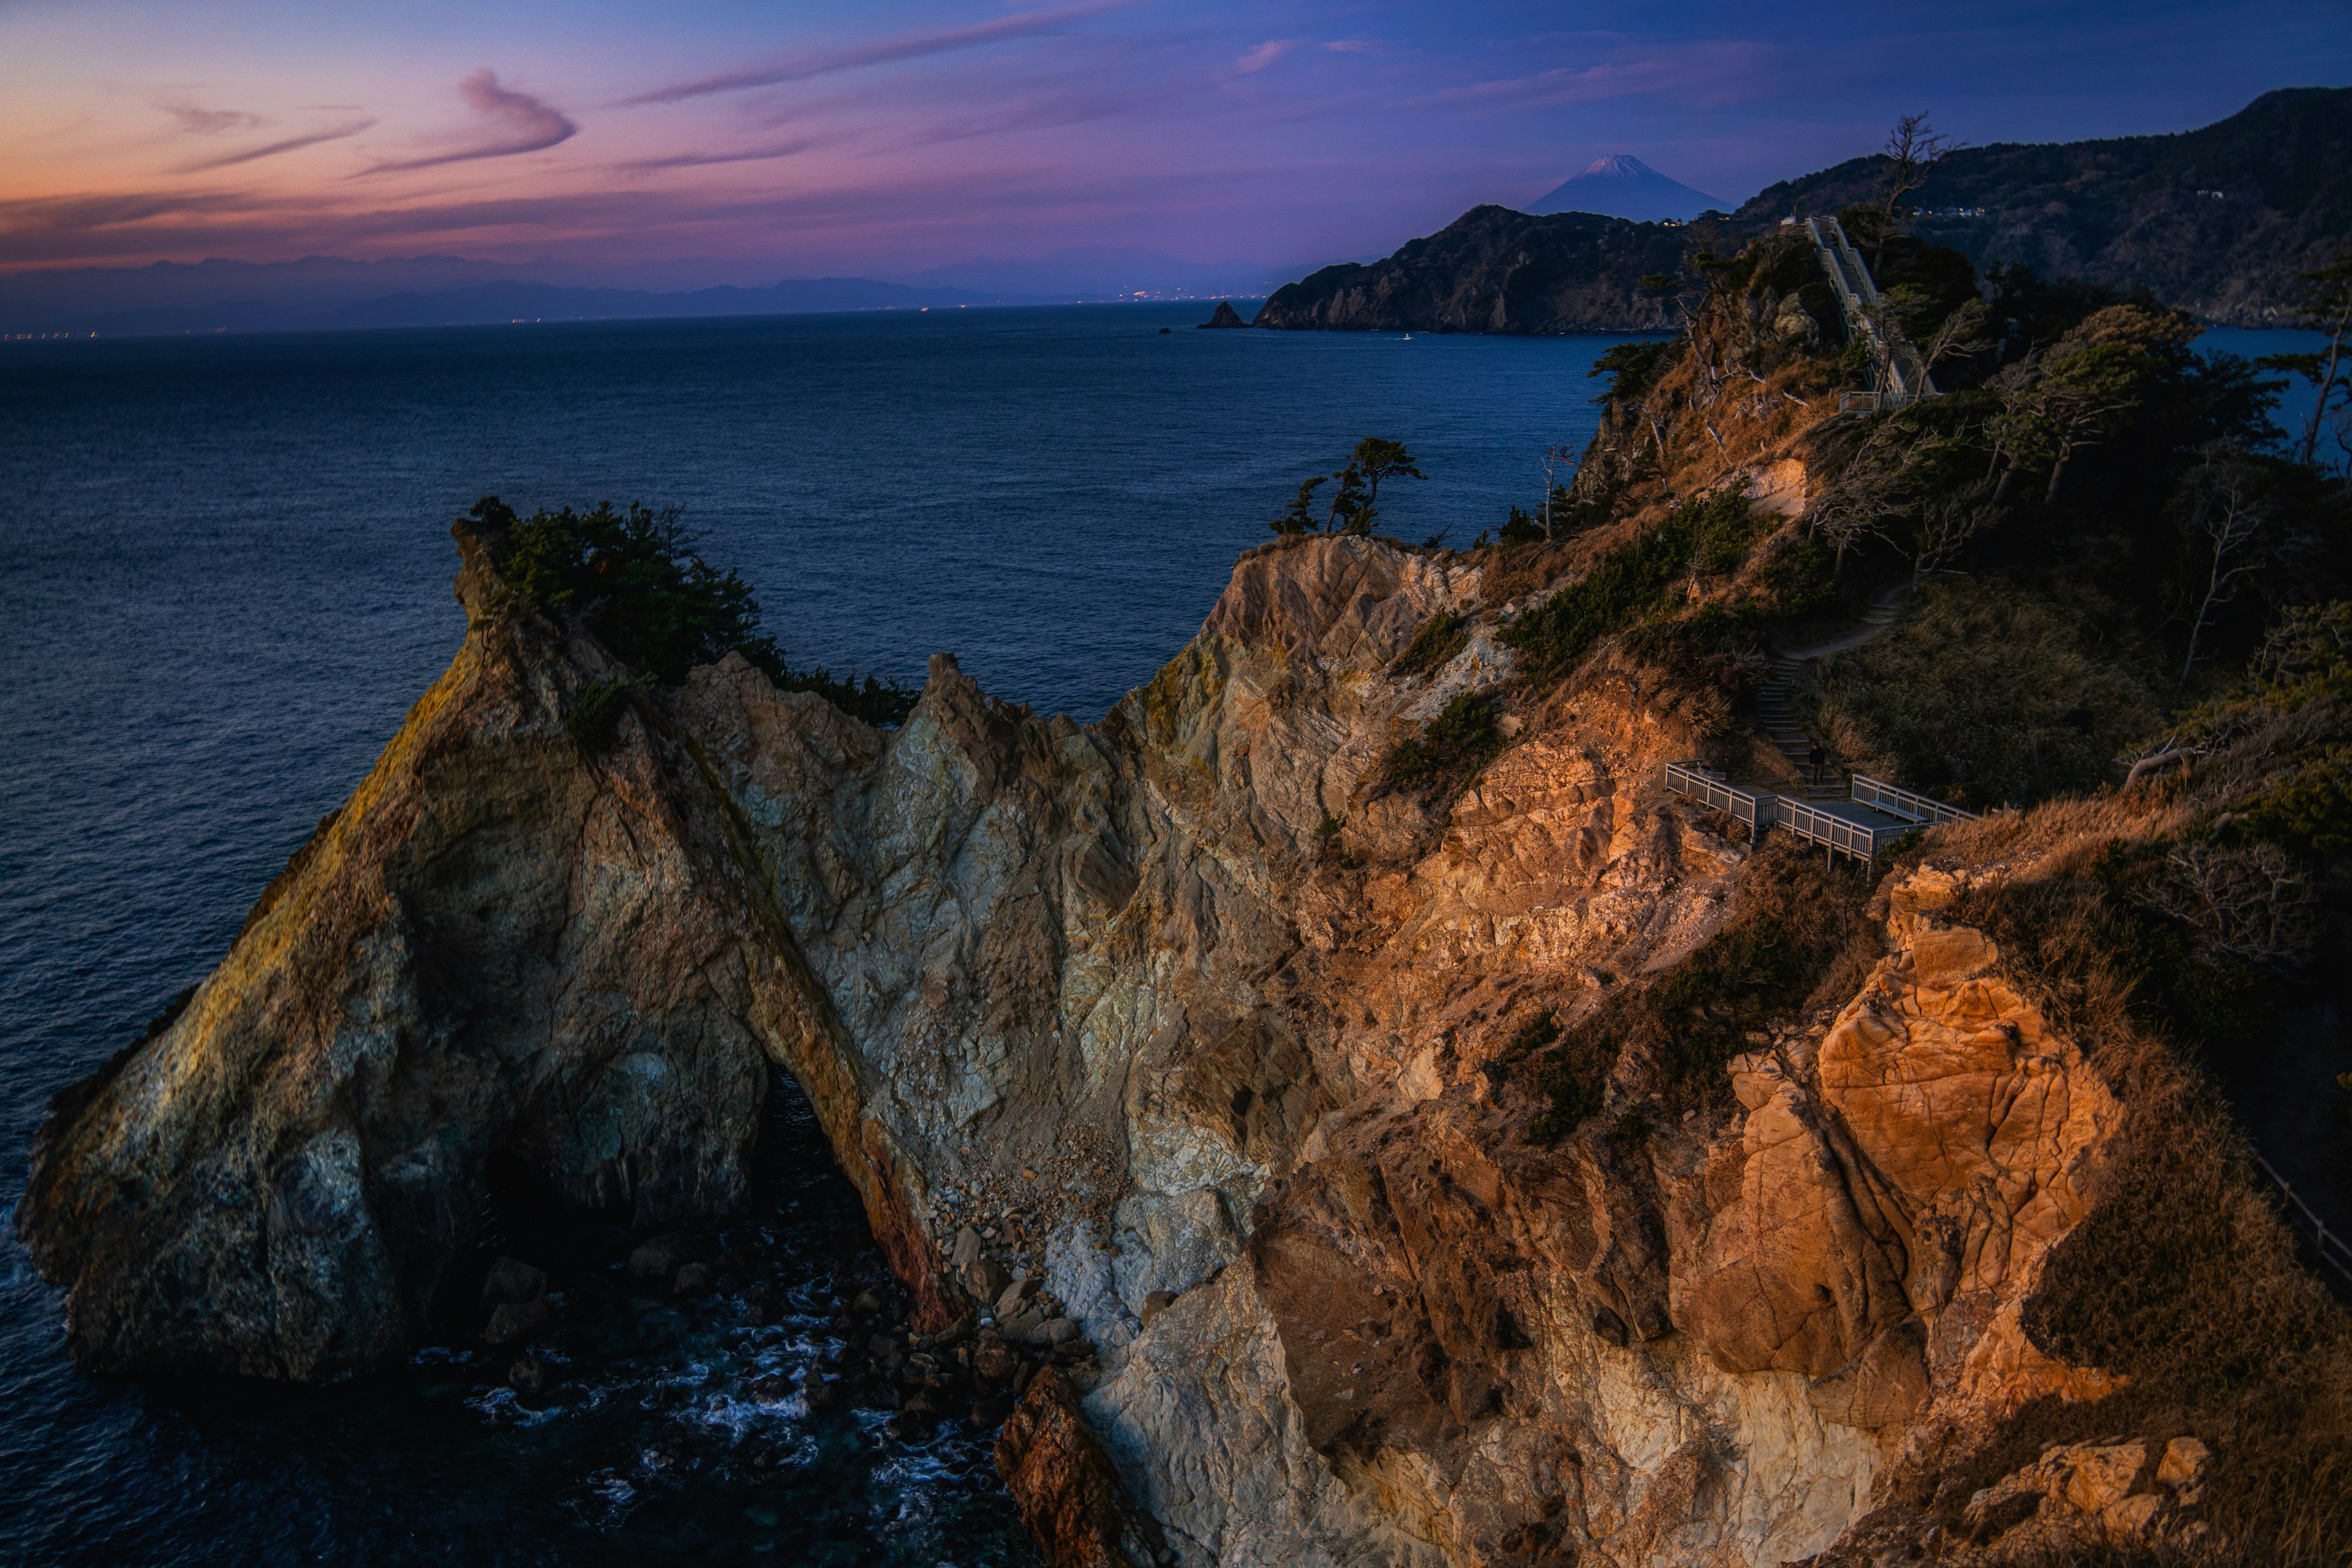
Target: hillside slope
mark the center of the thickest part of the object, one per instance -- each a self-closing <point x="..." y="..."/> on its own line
<point x="2216" y="221"/>
<point x="2126" y="213"/>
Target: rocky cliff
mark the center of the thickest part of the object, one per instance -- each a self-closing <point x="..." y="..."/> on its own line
<point x="1496" y="270"/>
<point x="1239" y="1046"/>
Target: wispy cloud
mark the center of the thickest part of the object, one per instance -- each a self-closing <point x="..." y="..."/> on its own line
<point x="197" y="120"/>
<point x="1701" y="71"/>
<point x="807" y="66"/>
<point x="1030" y="114"/>
<point x="291" y="144"/>
<point x="1265" y="55"/>
<point x="739" y="155"/>
<point x="532" y="125"/>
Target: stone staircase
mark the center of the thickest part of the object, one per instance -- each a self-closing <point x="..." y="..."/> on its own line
<point x="1776" y="704"/>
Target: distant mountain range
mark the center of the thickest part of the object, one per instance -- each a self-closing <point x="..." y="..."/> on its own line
<point x="2216" y="221"/>
<point x="1624" y="186"/>
<point x="326" y="293"/>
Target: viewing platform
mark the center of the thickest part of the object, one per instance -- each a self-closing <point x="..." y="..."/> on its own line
<point x="1862" y="827"/>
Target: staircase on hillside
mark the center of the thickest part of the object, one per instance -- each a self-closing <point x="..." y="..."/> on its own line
<point x="1903" y="377"/>
<point x="1776" y="704"/>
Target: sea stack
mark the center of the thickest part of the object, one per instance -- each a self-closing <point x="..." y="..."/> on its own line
<point x="1226" y="316"/>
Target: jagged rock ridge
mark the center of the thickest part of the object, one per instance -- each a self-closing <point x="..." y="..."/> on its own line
<point x="1225" y="1019"/>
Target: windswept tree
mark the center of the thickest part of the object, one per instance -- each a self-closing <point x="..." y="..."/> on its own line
<point x="2085" y="391"/>
<point x="2228" y="516"/>
<point x="1913" y="149"/>
<point x="2326" y="309"/>
<point x="1298" y="517"/>
<point x="1374" y="459"/>
<point x="1382" y="459"/>
<point x="1352" y="507"/>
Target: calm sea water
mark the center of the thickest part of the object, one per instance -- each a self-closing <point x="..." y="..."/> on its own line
<point x="224" y="575"/>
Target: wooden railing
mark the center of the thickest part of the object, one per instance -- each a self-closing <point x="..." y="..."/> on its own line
<point x="1759" y="811"/>
<point x="1895" y="801"/>
<point x="1704" y="785"/>
<point x="2332" y="1249"/>
<point x="1863" y="840"/>
<point x="1809" y="821"/>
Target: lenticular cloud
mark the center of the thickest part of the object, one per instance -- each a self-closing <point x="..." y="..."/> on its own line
<point x="531" y="123"/>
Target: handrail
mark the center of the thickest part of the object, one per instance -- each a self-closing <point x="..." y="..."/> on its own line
<point x="1896" y="801"/>
<point x="2325" y="1238"/>
<point x="1855" y="839"/>
<point x="1759" y="811"/>
<point x="1704" y="785"/>
<point x="1906" y="379"/>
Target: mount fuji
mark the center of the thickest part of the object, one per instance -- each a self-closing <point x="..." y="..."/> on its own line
<point x="1623" y="186"/>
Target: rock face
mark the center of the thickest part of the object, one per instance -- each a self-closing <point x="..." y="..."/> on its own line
<point x="1496" y="270"/>
<point x="1184" y="1013"/>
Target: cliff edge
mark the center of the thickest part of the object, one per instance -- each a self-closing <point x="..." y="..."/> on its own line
<point x="1249" y="1050"/>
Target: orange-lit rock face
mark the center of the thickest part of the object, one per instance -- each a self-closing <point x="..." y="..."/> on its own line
<point x="1196" y="1014"/>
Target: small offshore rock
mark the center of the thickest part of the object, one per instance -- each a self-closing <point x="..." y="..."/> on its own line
<point x="1224" y="316"/>
<point x="530" y="1375"/>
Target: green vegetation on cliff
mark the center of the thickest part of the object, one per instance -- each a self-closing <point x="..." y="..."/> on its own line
<point x="634" y="578"/>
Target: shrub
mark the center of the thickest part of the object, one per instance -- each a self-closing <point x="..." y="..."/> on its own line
<point x="597" y="709"/>
<point x="1796" y="932"/>
<point x="1711" y="535"/>
<point x="1989" y="691"/>
<point x="882" y="703"/>
<point x="634" y="579"/>
<point x="1461" y="740"/>
<point x="1520" y="528"/>
<point x="1433" y="646"/>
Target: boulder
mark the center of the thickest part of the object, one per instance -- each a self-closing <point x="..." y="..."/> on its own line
<point x="664" y="1256"/>
<point x="513" y="1321"/>
<point x="510" y="1279"/>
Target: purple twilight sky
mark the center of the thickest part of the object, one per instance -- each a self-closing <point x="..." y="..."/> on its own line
<point x="885" y="137"/>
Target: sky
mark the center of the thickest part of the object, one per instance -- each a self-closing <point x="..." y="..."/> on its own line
<point x="776" y="139"/>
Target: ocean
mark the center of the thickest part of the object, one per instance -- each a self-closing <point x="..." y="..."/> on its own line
<point x="225" y="574"/>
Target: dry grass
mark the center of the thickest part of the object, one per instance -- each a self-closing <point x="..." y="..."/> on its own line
<point x="2183" y="1280"/>
<point x="1796" y="935"/>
